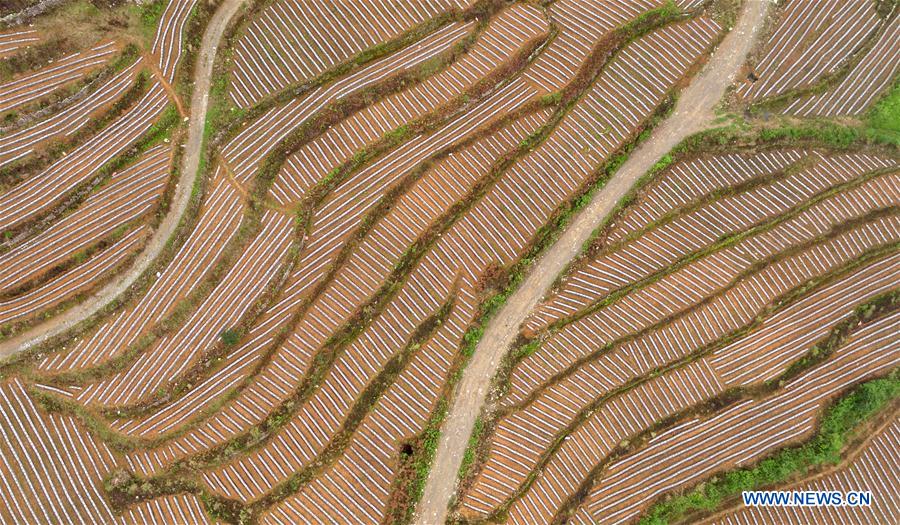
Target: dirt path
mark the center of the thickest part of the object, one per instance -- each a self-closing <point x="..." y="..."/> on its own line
<point x="150" y="61"/>
<point x="190" y="161"/>
<point x="693" y="113"/>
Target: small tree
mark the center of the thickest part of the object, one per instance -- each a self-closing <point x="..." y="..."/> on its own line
<point x="229" y="337"/>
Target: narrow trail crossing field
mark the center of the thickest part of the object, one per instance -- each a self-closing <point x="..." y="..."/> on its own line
<point x="694" y="112"/>
<point x="190" y="162"/>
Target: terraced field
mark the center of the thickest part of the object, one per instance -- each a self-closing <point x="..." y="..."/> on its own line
<point x="251" y="251"/>
<point x="825" y="58"/>
<point x="15" y="40"/>
<point x="666" y="315"/>
<point x="875" y="467"/>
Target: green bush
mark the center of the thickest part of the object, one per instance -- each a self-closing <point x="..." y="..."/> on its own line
<point x="230" y="337"/>
<point x="552" y="99"/>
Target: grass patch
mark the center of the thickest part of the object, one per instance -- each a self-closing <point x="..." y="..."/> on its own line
<point x="421" y="464"/>
<point x="823" y="132"/>
<point x="883" y="120"/>
<point x="148" y="16"/>
<point x="469" y="454"/>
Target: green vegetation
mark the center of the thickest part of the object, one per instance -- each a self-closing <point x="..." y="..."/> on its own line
<point x="663" y="163"/>
<point x="552" y="99"/>
<point x="422" y="463"/>
<point x="883" y="120"/>
<point x="838" y="427"/>
<point x="230" y="337"/>
<point x="469" y="454"/>
<point x="823" y="132"/>
<point x="148" y="15"/>
<point x="668" y="11"/>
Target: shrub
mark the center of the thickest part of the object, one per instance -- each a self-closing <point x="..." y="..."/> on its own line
<point x="230" y="337"/>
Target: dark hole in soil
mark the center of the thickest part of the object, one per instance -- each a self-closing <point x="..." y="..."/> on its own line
<point x="752" y="77"/>
<point x="406" y="450"/>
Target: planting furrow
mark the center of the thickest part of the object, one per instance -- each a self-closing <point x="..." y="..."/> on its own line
<point x="511" y="33"/>
<point x="20" y="144"/>
<point x="344" y="208"/>
<point x="301" y="440"/>
<point x="781" y="339"/>
<point x="692" y="181"/>
<point x="12" y="41"/>
<point x="875" y="470"/>
<point x="577" y="342"/>
<point x="739" y="434"/>
<point x="292" y="41"/>
<point x="636" y="259"/>
<point x="167" y="43"/>
<point x="614" y="422"/>
<point x="692" y="284"/>
<point x="184" y="509"/>
<point x="37" y="194"/>
<point x="218" y="221"/>
<point x="128" y="195"/>
<point x="357" y="488"/>
<point x="634" y="83"/>
<point x="684" y="184"/>
<point x="865" y="82"/>
<point x="811" y="40"/>
<point x="246" y="151"/>
<point x="623" y="416"/>
<point x="27" y="88"/>
<point x="564" y="354"/>
<point x="521" y="437"/>
<point x="71" y="283"/>
<point x="581" y="25"/>
<point x="220" y="311"/>
<point x="51" y="470"/>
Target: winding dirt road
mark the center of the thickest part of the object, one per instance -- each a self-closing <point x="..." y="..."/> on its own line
<point x="693" y="112"/>
<point x="190" y="162"/>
